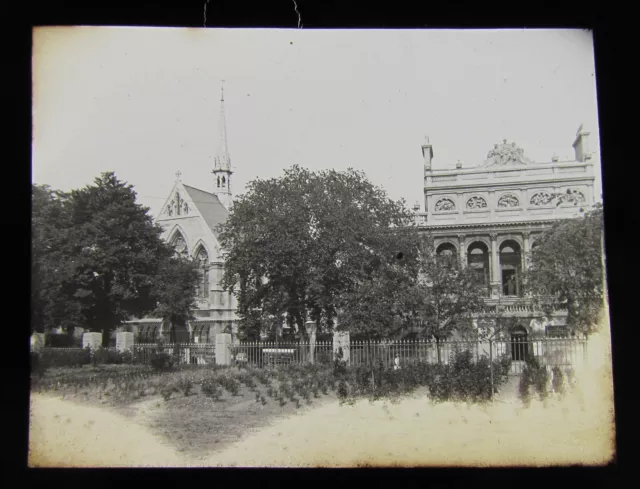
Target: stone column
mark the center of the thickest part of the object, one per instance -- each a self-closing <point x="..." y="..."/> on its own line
<point x="495" y="266"/>
<point x="124" y="342"/>
<point x="223" y="349"/>
<point x="461" y="250"/>
<point x="527" y="251"/>
<point x="311" y="330"/>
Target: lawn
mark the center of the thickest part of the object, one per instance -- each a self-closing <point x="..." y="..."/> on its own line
<point x="121" y="415"/>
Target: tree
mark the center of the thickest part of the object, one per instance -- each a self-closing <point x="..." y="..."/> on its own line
<point x="445" y="296"/>
<point x="174" y="290"/>
<point x="49" y="225"/>
<point x="295" y="245"/>
<point x="567" y="271"/>
<point x="99" y="256"/>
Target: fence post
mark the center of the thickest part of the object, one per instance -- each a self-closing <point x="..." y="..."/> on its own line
<point x="37" y="342"/>
<point x="124" y="342"/>
<point x="223" y="349"/>
<point x="491" y="365"/>
<point x="341" y="339"/>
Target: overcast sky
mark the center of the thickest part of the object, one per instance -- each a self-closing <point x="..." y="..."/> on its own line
<point x="145" y="102"/>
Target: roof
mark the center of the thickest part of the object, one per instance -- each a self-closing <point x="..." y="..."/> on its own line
<point x="209" y="206"/>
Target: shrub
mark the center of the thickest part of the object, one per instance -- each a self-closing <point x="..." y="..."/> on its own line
<point x="229" y="384"/>
<point x="64" y="357"/>
<point x="534" y="378"/>
<point x="161" y="361"/>
<point x="185" y="385"/>
<point x="110" y="356"/>
<point x="210" y="389"/>
<point x="558" y="380"/>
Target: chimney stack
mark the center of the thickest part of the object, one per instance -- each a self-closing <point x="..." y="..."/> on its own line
<point x="427" y="153"/>
<point x="580" y="145"/>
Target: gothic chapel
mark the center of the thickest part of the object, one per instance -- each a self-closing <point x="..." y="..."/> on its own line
<point x="189" y="218"/>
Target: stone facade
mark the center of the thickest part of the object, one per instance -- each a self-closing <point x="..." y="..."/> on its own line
<point x="490" y="215"/>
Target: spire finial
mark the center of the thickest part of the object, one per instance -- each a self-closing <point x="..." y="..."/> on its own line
<point x="178" y="173"/>
<point x="222" y="91"/>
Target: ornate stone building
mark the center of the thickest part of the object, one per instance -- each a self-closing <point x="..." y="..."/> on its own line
<point x="490" y="215"/>
<point x="190" y="217"/>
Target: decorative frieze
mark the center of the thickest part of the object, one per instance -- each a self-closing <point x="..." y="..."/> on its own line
<point x="476" y="203"/>
<point x="508" y="200"/>
<point x="445" y="205"/>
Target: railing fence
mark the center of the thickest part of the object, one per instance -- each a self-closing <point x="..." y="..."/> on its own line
<point x="548" y="351"/>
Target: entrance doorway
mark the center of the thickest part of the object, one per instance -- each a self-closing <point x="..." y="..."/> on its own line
<point x="519" y="344"/>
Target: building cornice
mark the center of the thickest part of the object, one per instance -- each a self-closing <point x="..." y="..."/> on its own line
<point x="473" y="186"/>
<point x="490" y="225"/>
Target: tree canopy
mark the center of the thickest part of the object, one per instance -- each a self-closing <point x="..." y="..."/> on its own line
<point x="296" y="245"/>
<point x="567" y="270"/>
<point x="98" y="259"/>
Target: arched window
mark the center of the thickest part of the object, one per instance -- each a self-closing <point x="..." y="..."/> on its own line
<point x="447" y="252"/>
<point x="446" y="249"/>
<point x="224" y="181"/>
<point x="218" y="181"/>
<point x="511" y="268"/>
<point x="202" y="259"/>
<point x="478" y="260"/>
<point x="180" y="245"/>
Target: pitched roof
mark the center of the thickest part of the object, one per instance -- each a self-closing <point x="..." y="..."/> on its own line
<point x="209" y="206"/>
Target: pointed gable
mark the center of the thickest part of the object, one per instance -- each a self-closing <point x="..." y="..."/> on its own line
<point x="209" y="207"/>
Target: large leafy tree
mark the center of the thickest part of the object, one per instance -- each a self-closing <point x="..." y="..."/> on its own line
<point x="99" y="259"/>
<point x="567" y="270"/>
<point x="426" y="293"/>
<point x="296" y="245"/>
<point x="49" y="268"/>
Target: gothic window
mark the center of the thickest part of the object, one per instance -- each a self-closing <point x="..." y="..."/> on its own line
<point x="223" y="181"/>
<point x="170" y="208"/>
<point x="508" y="200"/>
<point x="478" y="260"/>
<point x="186" y="208"/>
<point x="476" y="203"/>
<point x="218" y="181"/>
<point x="541" y="198"/>
<point x="202" y="258"/>
<point x="179" y="203"/>
<point x="511" y="268"/>
<point x="180" y="245"/>
<point x="445" y="205"/>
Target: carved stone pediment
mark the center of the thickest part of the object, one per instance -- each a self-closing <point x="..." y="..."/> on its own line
<point x="506" y="154"/>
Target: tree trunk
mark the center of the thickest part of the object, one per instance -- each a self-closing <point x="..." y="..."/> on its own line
<point x="438" y="350"/>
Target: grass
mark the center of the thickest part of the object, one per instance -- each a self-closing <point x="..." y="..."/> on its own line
<point x="193" y="409"/>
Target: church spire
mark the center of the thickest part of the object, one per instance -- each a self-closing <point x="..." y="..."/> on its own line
<point x="222" y="162"/>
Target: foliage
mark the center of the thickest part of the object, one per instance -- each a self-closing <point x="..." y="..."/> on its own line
<point x="173" y="288"/>
<point x="110" y="356"/>
<point x="210" y="389"/>
<point x="295" y="245"/>
<point x="567" y="270"/>
<point x="161" y="361"/>
<point x="99" y="259"/>
<point x="64" y="357"/>
<point x="558" y="382"/>
<point x="534" y="379"/>
<point x="445" y="295"/>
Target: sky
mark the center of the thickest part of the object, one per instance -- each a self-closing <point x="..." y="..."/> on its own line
<point x="145" y="102"/>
